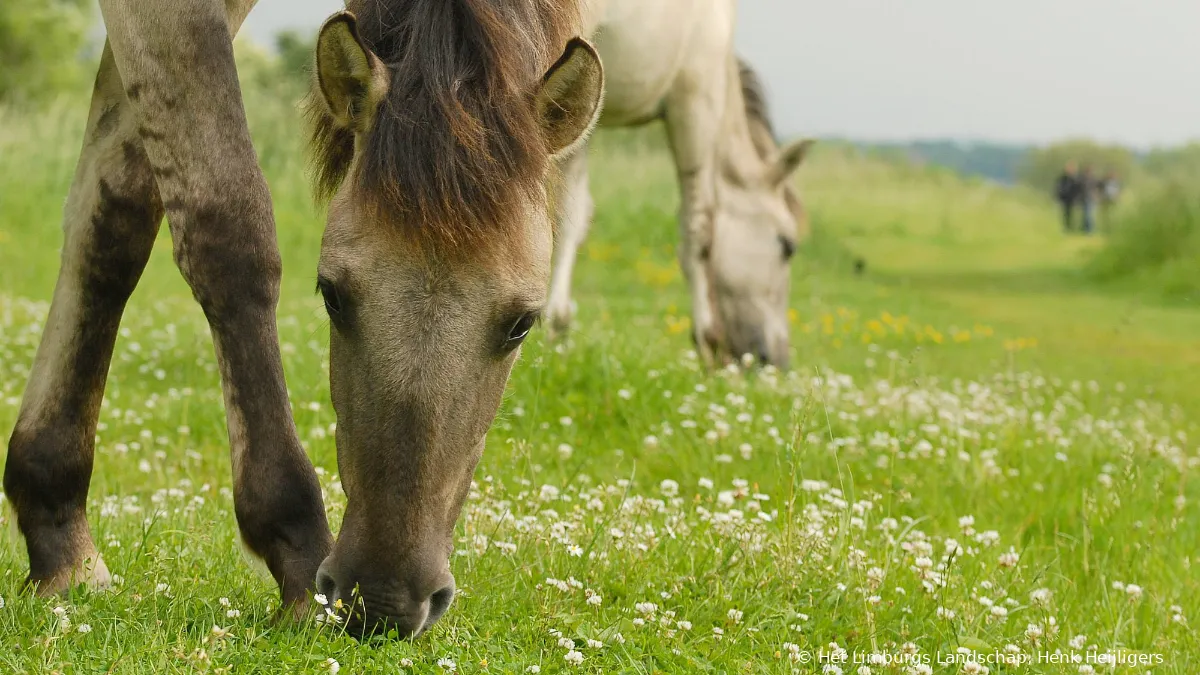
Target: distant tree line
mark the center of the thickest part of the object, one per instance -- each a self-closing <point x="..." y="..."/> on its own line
<point x="995" y="161"/>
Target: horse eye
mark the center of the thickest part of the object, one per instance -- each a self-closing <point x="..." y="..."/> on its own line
<point x="333" y="303"/>
<point x="520" y="330"/>
<point x="789" y="247"/>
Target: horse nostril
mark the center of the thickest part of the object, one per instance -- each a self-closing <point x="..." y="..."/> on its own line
<point x="439" y="602"/>
<point x="326" y="585"/>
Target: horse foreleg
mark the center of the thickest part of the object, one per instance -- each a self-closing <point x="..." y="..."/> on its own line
<point x="178" y="71"/>
<point x="694" y="116"/>
<point x="574" y="211"/>
<point x="110" y="222"/>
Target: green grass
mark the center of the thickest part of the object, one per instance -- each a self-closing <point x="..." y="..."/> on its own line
<point x="971" y="386"/>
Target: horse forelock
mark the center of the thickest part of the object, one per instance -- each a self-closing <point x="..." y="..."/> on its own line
<point x="456" y="149"/>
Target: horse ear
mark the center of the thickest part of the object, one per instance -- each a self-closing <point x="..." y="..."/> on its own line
<point x="569" y="100"/>
<point x="788" y="160"/>
<point x="352" y="80"/>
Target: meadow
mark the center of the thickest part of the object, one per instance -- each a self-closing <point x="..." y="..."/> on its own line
<point x="979" y="451"/>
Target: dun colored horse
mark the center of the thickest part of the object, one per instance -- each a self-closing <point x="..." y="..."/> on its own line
<point x="436" y="122"/>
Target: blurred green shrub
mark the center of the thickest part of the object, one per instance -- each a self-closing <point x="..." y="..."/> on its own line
<point x="1042" y="165"/>
<point x="43" y="48"/>
<point x="1155" y="243"/>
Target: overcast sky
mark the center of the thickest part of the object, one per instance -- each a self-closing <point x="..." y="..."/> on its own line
<point x="1010" y="70"/>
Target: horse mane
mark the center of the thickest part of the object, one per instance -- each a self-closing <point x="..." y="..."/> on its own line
<point x="456" y="144"/>
<point x="762" y="133"/>
<point x="758" y="113"/>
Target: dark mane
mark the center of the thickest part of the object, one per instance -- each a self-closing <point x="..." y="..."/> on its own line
<point x="762" y="133"/>
<point x="456" y="144"/>
<point x="758" y="114"/>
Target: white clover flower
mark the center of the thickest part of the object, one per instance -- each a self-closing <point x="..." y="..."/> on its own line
<point x="447" y="664"/>
<point x="1134" y="592"/>
<point x="647" y="608"/>
<point x="706" y="483"/>
<point x="1041" y="596"/>
<point x="669" y="487"/>
<point x="734" y="615"/>
<point x="333" y="666"/>
<point x="406" y="663"/>
<point x="84" y="628"/>
<point x="565" y="451"/>
<point x="534" y="669"/>
<point x="566" y="643"/>
<point x="573" y="657"/>
<point x="233" y="613"/>
<point x="594" y="644"/>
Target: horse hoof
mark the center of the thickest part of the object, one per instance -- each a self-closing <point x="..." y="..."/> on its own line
<point x="90" y="572"/>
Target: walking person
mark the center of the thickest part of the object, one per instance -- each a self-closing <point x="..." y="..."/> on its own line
<point x="1067" y="191"/>
<point x="1089" y="193"/>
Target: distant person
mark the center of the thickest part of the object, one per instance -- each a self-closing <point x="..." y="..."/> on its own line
<point x="1067" y="191"/>
<point x="1089" y="194"/>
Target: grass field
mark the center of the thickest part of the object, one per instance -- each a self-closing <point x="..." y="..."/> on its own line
<point x="976" y="450"/>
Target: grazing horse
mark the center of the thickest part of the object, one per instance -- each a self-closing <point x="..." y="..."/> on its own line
<point x="739" y="220"/>
<point x="435" y="124"/>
